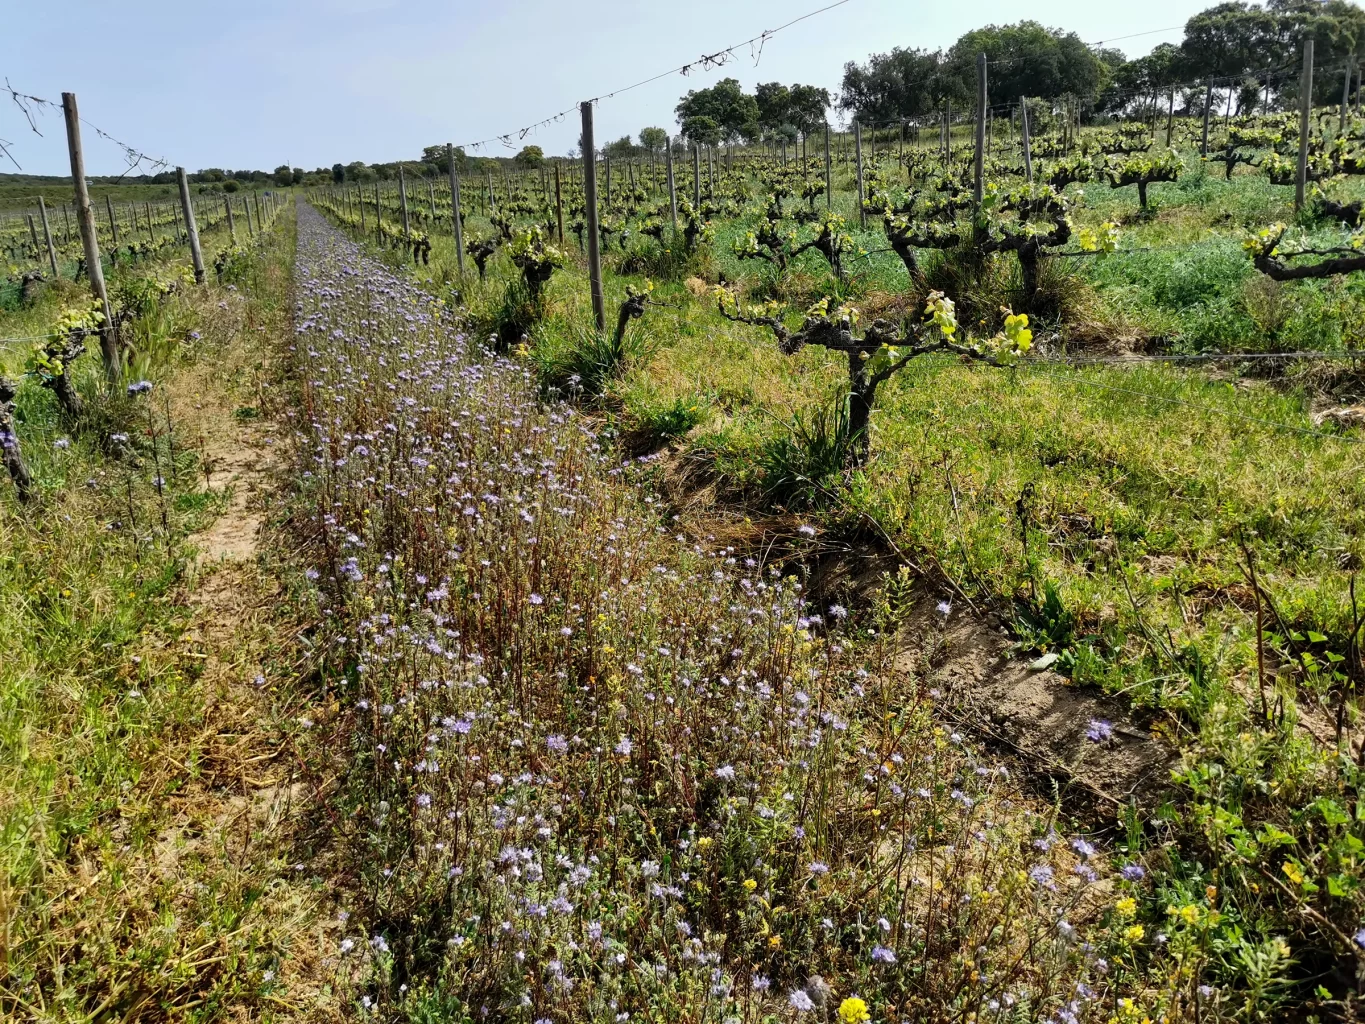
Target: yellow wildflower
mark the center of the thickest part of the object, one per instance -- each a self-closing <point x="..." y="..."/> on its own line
<point x="1126" y="907"/>
<point x="853" y="1011"/>
<point x="1134" y="933"/>
<point x="750" y="885"/>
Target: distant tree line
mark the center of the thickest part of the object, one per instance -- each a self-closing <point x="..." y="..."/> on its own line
<point x="1249" y="50"/>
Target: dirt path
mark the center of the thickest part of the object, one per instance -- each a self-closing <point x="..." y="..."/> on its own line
<point x="241" y="811"/>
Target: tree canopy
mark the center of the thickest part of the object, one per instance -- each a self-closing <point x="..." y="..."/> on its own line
<point x="653" y="139"/>
<point x="1027" y="59"/>
<point x="902" y="83"/>
<point x="722" y="113"/>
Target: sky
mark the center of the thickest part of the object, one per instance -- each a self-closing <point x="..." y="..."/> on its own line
<point x="314" y="82"/>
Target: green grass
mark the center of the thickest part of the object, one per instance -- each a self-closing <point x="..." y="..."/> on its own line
<point x="117" y="889"/>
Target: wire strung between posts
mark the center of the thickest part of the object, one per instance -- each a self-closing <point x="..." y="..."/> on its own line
<point x="1206" y="357"/>
<point x="32" y="108"/>
<point x="709" y="60"/>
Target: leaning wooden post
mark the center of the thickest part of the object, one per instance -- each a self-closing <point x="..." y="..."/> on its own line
<point x="1345" y="97"/>
<point x="33" y="231"/>
<point x="190" y="228"/>
<point x="559" y="205"/>
<point x="232" y="225"/>
<point x="1305" y="111"/>
<point x="980" y="170"/>
<point x="85" y="219"/>
<point x="455" y="207"/>
<point x="858" y="156"/>
<point x="1208" y="106"/>
<point x="1024" y="138"/>
<point x="66" y="221"/>
<point x="47" y="236"/>
<point x="360" y="197"/>
<point x="672" y="185"/>
<point x="696" y="178"/>
<point x="151" y="230"/>
<point x="1170" y="119"/>
<point x="378" y="216"/>
<point x="599" y="309"/>
<point x="246" y="211"/>
<point x="829" y="177"/>
<point x="113" y="224"/>
<point x="403" y="200"/>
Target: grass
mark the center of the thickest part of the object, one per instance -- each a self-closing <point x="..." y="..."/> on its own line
<point x="1123" y="508"/>
<point x="130" y="883"/>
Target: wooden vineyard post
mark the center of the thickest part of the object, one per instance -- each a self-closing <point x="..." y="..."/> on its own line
<point x="378" y="216"/>
<point x="829" y="177"/>
<point x="232" y="226"/>
<point x="979" y="174"/>
<point x="360" y="197"/>
<point x="403" y="200"/>
<point x="256" y="196"/>
<point x="113" y="224"/>
<point x="151" y="230"/>
<point x="246" y="211"/>
<point x="455" y="208"/>
<point x="1024" y="138"/>
<point x="599" y="309"/>
<point x="1208" y="106"/>
<point x="85" y="218"/>
<point x="1170" y="120"/>
<point x="191" y="230"/>
<point x="696" y="179"/>
<point x="1345" y="98"/>
<point x="47" y="236"/>
<point x="672" y="185"/>
<point x="32" y="231"/>
<point x="559" y="205"/>
<point x="858" y="157"/>
<point x="431" y="200"/>
<point x="606" y="161"/>
<point x="66" y="221"/>
<point x="1305" y="111"/>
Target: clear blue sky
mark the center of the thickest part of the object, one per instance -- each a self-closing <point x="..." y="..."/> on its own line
<point x="313" y="82"/>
